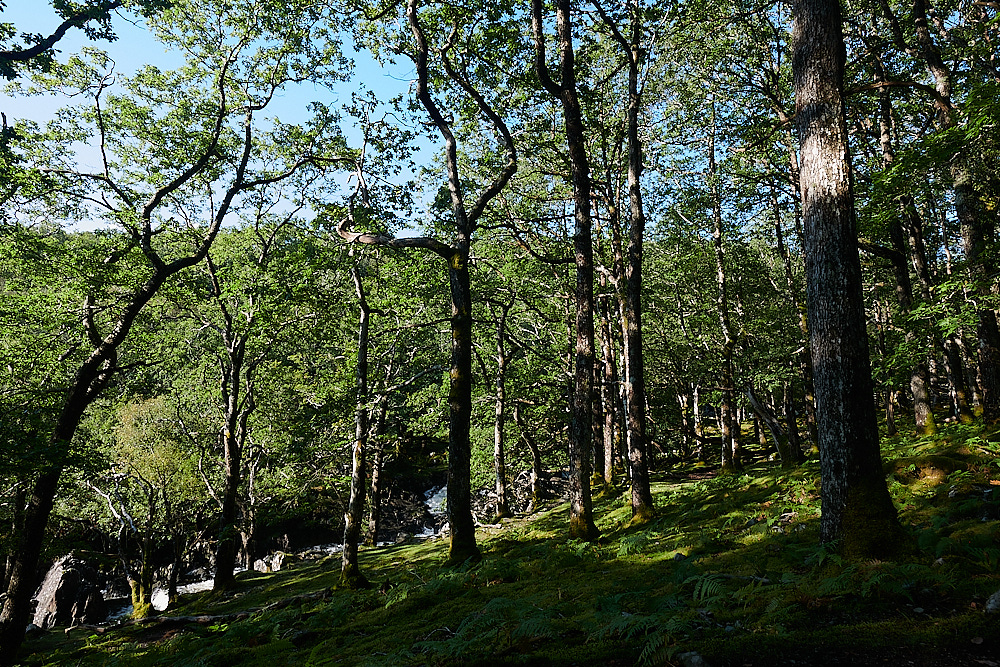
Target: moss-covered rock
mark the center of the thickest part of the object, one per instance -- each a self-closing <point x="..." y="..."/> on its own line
<point x="930" y="468"/>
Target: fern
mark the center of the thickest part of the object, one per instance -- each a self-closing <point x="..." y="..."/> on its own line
<point x="632" y="544"/>
<point x="494" y="628"/>
<point x="706" y="586"/>
<point x="627" y="626"/>
<point x="660" y="646"/>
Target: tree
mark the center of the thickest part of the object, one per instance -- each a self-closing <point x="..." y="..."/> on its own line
<point x="456" y="254"/>
<point x="581" y="520"/>
<point x="635" y="381"/>
<point x="91" y="16"/>
<point x="961" y="160"/>
<point x="151" y="491"/>
<point x="857" y="510"/>
<point x="349" y="573"/>
<point x="180" y="146"/>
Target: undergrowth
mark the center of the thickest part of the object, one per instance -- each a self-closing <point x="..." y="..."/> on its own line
<point x="730" y="567"/>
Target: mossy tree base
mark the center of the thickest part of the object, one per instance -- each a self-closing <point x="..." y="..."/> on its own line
<point x="641" y="516"/>
<point x="870" y="527"/>
<point x="581" y="529"/>
<point x="351" y="577"/>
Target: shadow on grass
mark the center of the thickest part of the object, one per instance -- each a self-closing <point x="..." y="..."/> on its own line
<point x="730" y="567"/>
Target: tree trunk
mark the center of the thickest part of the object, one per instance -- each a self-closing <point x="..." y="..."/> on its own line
<point x="956" y="378"/>
<point x="23" y="580"/>
<point x="91" y="379"/>
<point x="978" y="230"/>
<point x="805" y="357"/>
<point x="610" y="389"/>
<point x="375" y="503"/>
<point x="977" y="222"/>
<point x="858" y="513"/>
<point x="580" y="439"/>
<point x="463" y="529"/>
<point x="597" y="400"/>
<point x="777" y="432"/>
<point x="350" y="574"/>
<point x="682" y="402"/>
<point x="536" y="460"/>
<point x="727" y="408"/>
<point x="238" y="404"/>
<point x="635" y="381"/>
<point x="499" y="461"/>
<point x="788" y="406"/>
<point x="920" y="374"/>
<point x="699" y="431"/>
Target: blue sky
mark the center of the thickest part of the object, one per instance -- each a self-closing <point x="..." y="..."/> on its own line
<point x="135" y="47"/>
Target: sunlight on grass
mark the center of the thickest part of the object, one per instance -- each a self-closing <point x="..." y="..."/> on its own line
<point x="729" y="567"/>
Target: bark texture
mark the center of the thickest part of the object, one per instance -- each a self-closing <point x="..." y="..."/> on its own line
<point x="580" y="438"/>
<point x="857" y="510"/>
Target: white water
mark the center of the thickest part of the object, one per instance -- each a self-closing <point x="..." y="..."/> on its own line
<point x="437" y="501"/>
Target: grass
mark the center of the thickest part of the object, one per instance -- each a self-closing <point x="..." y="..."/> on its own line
<point x="730" y="567"/>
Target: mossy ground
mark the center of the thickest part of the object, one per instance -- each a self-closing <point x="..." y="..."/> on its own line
<point x="729" y="567"/>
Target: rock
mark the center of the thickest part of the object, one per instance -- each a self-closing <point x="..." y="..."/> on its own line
<point x="70" y="594"/>
<point x="33" y="631"/>
<point x="272" y="563"/>
<point x="692" y="659"/>
<point x="993" y="604"/>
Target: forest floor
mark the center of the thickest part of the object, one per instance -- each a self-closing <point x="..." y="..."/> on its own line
<point x="728" y="573"/>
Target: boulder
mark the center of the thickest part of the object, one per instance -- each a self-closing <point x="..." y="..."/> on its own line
<point x="270" y="563"/>
<point x="70" y="594"/>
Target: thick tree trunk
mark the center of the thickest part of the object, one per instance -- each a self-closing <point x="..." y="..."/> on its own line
<point x="463" y="529"/>
<point x="90" y="381"/>
<point x="858" y="513"/>
<point x="238" y="402"/>
<point x="23" y="579"/>
<point x="226" y="549"/>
